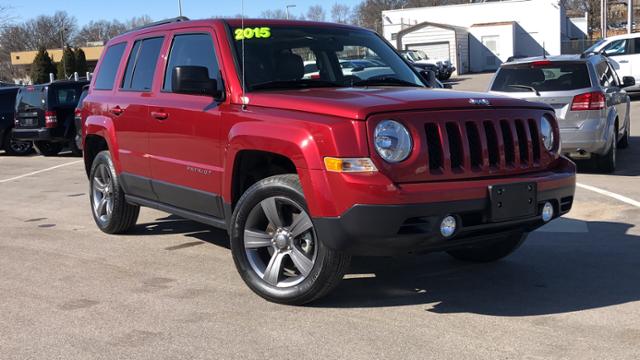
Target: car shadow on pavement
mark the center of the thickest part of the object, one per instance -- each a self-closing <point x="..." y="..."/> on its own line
<point x="552" y="273"/>
<point x="627" y="161"/>
<point x="173" y="224"/>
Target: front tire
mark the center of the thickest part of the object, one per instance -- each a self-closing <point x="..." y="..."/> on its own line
<point x="111" y="212"/>
<point x="16" y="148"/>
<point x="275" y="247"/>
<point x="491" y="252"/>
<point x="48" y="148"/>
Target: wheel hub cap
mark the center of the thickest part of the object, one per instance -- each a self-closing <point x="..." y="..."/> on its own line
<point x="282" y="239"/>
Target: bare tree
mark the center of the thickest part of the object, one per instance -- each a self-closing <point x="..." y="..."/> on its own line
<point x="316" y="13"/>
<point x="340" y="13"/>
<point x="138" y="21"/>
<point x="101" y="30"/>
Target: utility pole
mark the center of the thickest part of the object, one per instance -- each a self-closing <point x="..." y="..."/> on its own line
<point x="603" y="18"/>
<point x="629" y="16"/>
<point x="180" y="7"/>
<point x="287" y="10"/>
<point x="64" y="66"/>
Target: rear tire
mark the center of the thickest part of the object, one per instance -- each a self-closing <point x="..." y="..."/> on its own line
<point x="491" y="252"/>
<point x="48" y="148"/>
<point x="275" y="247"/>
<point x="624" y="142"/>
<point x="606" y="163"/>
<point x="111" y="212"/>
<point x="75" y="150"/>
<point x="16" y="148"/>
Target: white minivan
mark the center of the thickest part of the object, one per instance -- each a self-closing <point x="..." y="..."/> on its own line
<point x="624" y="53"/>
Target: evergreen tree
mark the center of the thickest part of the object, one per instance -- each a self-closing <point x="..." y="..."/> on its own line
<point x="80" y="62"/>
<point x="41" y="67"/>
<point x="67" y="63"/>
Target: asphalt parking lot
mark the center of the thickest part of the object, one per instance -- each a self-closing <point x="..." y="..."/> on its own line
<point x="170" y="290"/>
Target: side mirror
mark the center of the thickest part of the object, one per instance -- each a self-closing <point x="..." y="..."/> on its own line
<point x="628" y="81"/>
<point x="430" y="77"/>
<point x="194" y="80"/>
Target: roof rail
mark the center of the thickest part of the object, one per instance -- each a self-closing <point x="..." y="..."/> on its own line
<point x="158" y="23"/>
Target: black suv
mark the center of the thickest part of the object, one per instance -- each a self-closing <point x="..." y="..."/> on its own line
<point x="7" y="115"/>
<point x="45" y="115"/>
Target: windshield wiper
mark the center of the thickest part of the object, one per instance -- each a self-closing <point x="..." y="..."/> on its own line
<point x="294" y="84"/>
<point x="530" y="88"/>
<point x="384" y="81"/>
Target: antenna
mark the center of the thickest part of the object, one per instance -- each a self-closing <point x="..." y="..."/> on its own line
<point x="544" y="51"/>
<point x="244" y="99"/>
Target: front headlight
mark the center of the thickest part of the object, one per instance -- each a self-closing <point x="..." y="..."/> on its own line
<point x="546" y="131"/>
<point x="392" y="141"/>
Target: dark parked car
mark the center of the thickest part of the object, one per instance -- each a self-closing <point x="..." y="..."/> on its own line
<point x="7" y="115"/>
<point x="45" y="115"/>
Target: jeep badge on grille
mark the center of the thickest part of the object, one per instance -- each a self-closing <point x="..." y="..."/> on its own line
<point x="483" y="102"/>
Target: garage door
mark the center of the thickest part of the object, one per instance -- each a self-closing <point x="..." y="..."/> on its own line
<point x="433" y="50"/>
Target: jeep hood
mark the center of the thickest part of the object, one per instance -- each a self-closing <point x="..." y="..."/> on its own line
<point x="358" y="103"/>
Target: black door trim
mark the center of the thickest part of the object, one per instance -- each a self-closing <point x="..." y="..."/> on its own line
<point x="201" y="218"/>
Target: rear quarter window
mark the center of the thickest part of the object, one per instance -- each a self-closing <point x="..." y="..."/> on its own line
<point x="109" y="67"/>
<point x="67" y="96"/>
<point x="553" y="77"/>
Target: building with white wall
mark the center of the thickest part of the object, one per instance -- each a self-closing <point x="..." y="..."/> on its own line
<point x="481" y="36"/>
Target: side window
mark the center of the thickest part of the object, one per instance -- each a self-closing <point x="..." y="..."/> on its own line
<point x="636" y="45"/>
<point x="191" y="50"/>
<point x="614" y="75"/>
<point x="107" y="73"/>
<point x="605" y="75"/>
<point x="142" y="64"/>
<point x="618" y="47"/>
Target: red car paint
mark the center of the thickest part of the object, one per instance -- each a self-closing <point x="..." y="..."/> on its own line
<point x="170" y="138"/>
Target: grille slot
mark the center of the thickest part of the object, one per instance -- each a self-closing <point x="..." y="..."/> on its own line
<point x="535" y="139"/>
<point x="455" y="145"/>
<point x="524" y="142"/>
<point x="492" y="143"/>
<point x="475" y="144"/>
<point x="434" y="144"/>
<point x="507" y="140"/>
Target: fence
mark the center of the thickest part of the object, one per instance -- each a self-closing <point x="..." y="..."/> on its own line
<point x="576" y="46"/>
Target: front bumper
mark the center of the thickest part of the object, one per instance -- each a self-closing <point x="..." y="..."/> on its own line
<point x="397" y="229"/>
<point x="412" y="223"/>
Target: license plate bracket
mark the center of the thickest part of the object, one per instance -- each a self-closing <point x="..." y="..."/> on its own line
<point x="513" y="201"/>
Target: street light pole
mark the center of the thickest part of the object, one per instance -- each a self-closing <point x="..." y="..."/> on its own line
<point x="180" y="7"/>
<point x="629" y="16"/>
<point x="64" y="67"/>
<point x="287" y="10"/>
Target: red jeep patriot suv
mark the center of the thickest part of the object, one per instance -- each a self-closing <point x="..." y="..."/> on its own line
<point x="217" y="121"/>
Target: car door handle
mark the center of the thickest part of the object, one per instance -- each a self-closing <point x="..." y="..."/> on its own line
<point x="623" y="61"/>
<point x="159" y="115"/>
<point x="117" y="110"/>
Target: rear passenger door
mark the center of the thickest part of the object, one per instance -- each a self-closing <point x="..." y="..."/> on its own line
<point x="184" y="130"/>
<point x="130" y="110"/>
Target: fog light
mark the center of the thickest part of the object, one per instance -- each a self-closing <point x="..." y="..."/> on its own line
<point x="547" y="212"/>
<point x="448" y="226"/>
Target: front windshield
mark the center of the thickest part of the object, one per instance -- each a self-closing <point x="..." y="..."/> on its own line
<point x="595" y="46"/>
<point x="292" y="57"/>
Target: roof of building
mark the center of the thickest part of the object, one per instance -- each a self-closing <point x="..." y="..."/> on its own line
<point x="498" y="23"/>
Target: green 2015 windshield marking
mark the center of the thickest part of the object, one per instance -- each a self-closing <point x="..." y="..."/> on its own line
<point x="250" y="33"/>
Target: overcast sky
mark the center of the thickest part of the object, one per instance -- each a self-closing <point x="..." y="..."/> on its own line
<point x="87" y="10"/>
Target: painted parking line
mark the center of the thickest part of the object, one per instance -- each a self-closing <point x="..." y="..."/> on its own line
<point x="610" y="194"/>
<point x="40" y="171"/>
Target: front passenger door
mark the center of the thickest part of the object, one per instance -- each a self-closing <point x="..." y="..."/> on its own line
<point x="620" y="52"/>
<point x="184" y="135"/>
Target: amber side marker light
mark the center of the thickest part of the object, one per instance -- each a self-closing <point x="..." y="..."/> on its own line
<point x="351" y="165"/>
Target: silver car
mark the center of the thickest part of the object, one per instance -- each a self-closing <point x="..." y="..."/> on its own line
<point x="589" y="99"/>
